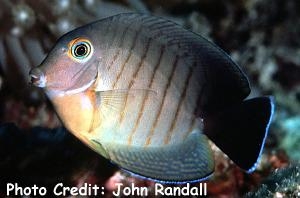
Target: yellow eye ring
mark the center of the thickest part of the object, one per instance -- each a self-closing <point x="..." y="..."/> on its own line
<point x="80" y="49"/>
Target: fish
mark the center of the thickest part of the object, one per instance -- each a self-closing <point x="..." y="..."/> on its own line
<point x="151" y="96"/>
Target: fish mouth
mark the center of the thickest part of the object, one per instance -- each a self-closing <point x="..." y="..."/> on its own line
<point x="37" y="78"/>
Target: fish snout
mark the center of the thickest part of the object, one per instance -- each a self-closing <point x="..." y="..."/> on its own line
<point x="37" y="77"/>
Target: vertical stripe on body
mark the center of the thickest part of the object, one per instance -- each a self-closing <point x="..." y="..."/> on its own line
<point x="151" y="133"/>
<point x="141" y="111"/>
<point x="194" y="119"/>
<point x="130" y="66"/>
<point x="115" y="69"/>
<point x="123" y="63"/>
<point x="134" y="41"/>
<point x="121" y="44"/>
<point x="181" y="102"/>
<point x="197" y="106"/>
<point x="133" y="78"/>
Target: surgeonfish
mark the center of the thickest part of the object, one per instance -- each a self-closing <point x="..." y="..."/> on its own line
<point x="148" y="95"/>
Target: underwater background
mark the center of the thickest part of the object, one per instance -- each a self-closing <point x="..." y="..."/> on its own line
<point x="262" y="36"/>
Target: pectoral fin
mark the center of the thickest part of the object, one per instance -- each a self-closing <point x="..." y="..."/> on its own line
<point x="191" y="160"/>
<point x="114" y="100"/>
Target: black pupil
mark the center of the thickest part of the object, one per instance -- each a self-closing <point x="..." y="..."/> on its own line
<point x="80" y="50"/>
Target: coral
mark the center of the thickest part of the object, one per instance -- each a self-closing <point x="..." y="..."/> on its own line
<point x="284" y="182"/>
<point x="291" y="139"/>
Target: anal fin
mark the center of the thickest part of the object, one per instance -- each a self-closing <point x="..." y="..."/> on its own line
<point x="191" y="160"/>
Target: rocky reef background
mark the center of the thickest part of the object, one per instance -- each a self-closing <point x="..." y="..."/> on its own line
<point x="263" y="36"/>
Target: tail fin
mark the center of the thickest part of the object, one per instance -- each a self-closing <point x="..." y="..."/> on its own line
<point x="241" y="131"/>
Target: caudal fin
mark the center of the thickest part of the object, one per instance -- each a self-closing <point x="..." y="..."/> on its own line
<point x="240" y="131"/>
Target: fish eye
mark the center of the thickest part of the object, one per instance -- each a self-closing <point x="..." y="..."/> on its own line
<point x="80" y="49"/>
